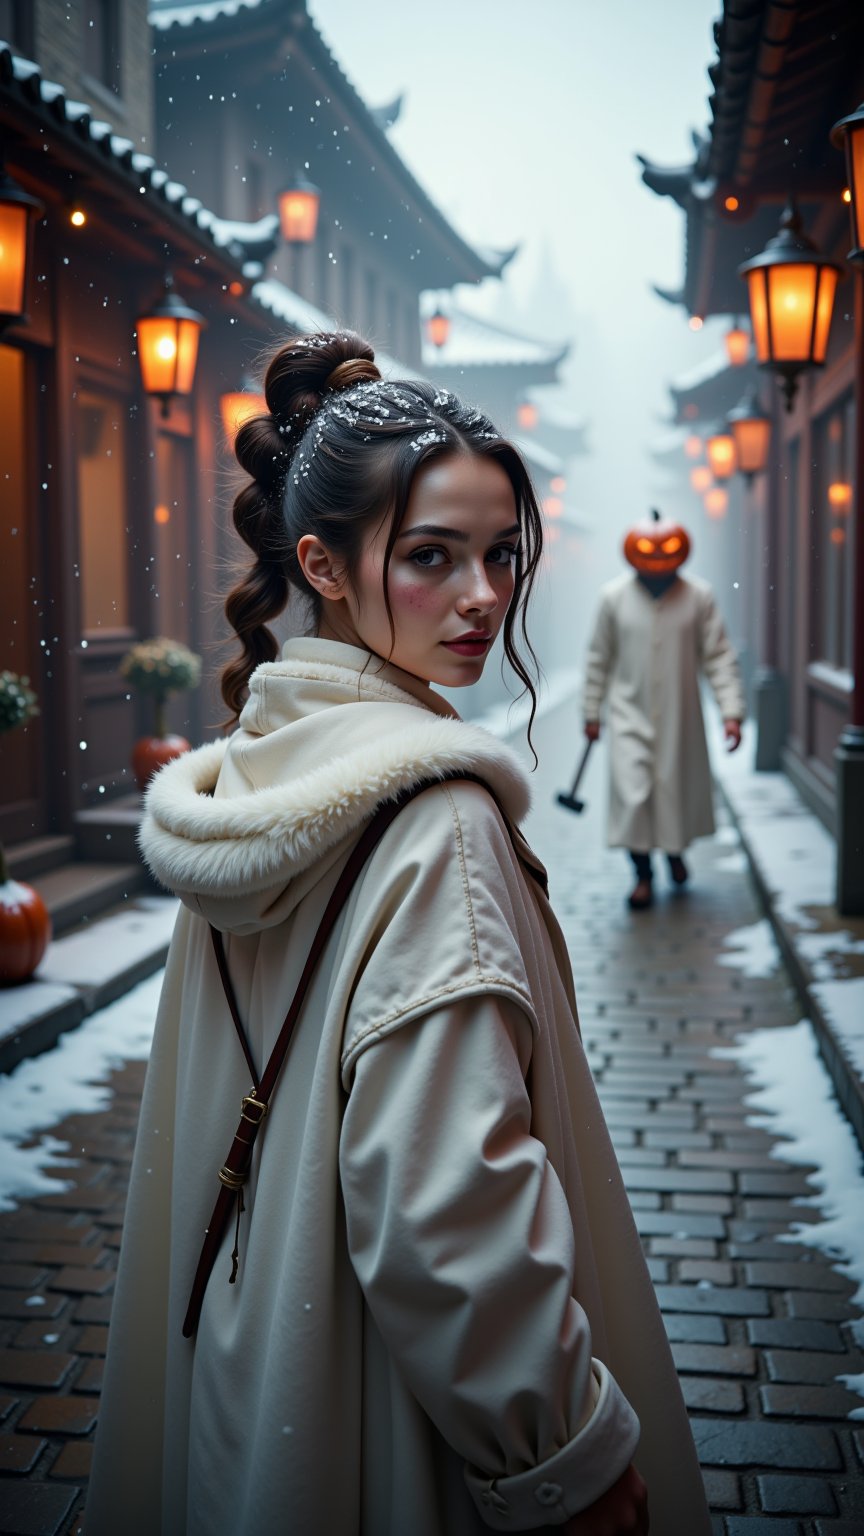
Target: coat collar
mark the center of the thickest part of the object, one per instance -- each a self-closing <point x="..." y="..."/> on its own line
<point x="326" y="735"/>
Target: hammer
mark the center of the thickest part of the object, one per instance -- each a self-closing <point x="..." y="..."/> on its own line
<point x="569" y="800"/>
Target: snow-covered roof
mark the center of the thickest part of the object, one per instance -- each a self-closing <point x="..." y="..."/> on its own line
<point x="164" y="13"/>
<point x="24" y="81"/>
<point x="475" y="342"/>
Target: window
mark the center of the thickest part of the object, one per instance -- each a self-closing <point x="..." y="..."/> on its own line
<point x="16" y="23"/>
<point x="102" y="42"/>
<point x="103" y="534"/>
<point x="834" y="493"/>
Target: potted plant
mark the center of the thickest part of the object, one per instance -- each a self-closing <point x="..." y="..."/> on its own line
<point x="25" y="926"/>
<point x="159" y="667"/>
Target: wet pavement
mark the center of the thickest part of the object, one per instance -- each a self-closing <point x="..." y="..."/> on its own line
<point x="760" y="1327"/>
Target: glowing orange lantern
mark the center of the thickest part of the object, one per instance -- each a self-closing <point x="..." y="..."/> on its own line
<point x="737" y="345"/>
<point x="693" y="446"/>
<point x="168" y="347"/>
<point x="700" y="478"/>
<point x="791" y="290"/>
<point x="527" y="415"/>
<point x="716" y="501"/>
<point x="298" y="211"/>
<point x="18" y="214"/>
<point x="553" y="506"/>
<point x="438" y="328"/>
<point x="751" y="429"/>
<point x="558" y="485"/>
<point x="840" y="497"/>
<point x="720" y="448"/>
<point x="237" y="406"/>
<point x="838" y="535"/>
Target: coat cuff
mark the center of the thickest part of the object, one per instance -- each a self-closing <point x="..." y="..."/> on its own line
<point x="573" y="1478"/>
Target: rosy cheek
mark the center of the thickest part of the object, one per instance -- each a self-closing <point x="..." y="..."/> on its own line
<point x="415" y="595"/>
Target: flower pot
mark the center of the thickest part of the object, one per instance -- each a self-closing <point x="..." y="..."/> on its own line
<point x="25" y="929"/>
<point x="152" y="753"/>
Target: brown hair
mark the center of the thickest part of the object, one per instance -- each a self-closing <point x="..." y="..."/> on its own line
<point x="335" y="455"/>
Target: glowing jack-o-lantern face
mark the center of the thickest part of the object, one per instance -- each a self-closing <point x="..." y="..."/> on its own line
<point x="658" y="547"/>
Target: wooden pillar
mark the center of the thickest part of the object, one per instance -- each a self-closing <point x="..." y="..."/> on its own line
<point x="849" y="755"/>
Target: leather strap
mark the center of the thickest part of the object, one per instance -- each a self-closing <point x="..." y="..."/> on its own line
<point x="254" y="1107"/>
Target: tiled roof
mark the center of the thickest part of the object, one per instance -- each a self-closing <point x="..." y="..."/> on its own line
<point x="301" y="316"/>
<point x="22" y="81"/>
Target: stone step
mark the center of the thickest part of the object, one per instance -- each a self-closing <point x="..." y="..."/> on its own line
<point x="27" y="860"/>
<point x="82" y="889"/>
<point x="107" y="832"/>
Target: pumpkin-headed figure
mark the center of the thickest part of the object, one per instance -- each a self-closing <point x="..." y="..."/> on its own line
<point x="657" y="547"/>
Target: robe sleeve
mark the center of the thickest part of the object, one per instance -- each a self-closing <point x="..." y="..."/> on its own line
<point x="461" y="1238"/>
<point x="719" y="662"/>
<point x="598" y="662"/>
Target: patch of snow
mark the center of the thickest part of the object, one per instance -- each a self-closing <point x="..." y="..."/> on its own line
<point x="793" y="1098"/>
<point x="733" y="863"/>
<point x="753" y="949"/>
<point x="818" y="948"/>
<point x="68" y="1080"/>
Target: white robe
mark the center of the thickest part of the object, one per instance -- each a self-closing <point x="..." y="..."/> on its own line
<point x="645" y="659"/>
<point x="442" y="1321"/>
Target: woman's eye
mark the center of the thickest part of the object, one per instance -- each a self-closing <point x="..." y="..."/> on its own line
<point x="428" y="558"/>
<point x="504" y="552"/>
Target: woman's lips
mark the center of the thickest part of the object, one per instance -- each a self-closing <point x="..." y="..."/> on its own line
<point x="473" y="646"/>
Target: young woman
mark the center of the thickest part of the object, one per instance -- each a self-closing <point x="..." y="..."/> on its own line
<point x="441" y="1321"/>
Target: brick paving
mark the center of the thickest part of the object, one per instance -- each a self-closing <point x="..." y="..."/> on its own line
<point x="760" y="1328"/>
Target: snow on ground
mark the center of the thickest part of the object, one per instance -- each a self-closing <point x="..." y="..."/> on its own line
<point x="842" y="1003"/>
<point x="69" y="1079"/>
<point x="753" y="950"/>
<point x="792" y="1097"/>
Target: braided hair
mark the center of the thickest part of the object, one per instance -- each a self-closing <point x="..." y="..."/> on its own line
<point x="335" y="455"/>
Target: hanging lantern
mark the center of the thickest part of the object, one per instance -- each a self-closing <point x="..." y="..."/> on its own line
<point x="849" y="132"/>
<point x="298" y="211"/>
<point x="168" y="346"/>
<point x="720" y="449"/>
<point x="558" y="485"/>
<point x="716" y="501"/>
<point x="700" y="478"/>
<point x="693" y="446"/>
<point x="438" y="327"/>
<point x="527" y="415"/>
<point x="840" y="497"/>
<point x="18" y="214"/>
<point x="791" y="291"/>
<point x="751" y="429"/>
<point x="553" y="506"/>
<point x="737" y="344"/>
<point x="237" y="406"/>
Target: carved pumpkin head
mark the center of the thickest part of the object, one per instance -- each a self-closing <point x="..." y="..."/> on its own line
<point x="657" y="547"/>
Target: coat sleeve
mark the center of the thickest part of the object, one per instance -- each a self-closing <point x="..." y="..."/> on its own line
<point x="719" y="662"/>
<point x="598" y="662"/>
<point x="462" y="1240"/>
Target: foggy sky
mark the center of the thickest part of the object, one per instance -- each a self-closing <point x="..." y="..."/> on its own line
<point x="522" y="122"/>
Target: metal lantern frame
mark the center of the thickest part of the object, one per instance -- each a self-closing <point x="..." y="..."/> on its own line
<point x="788" y="249"/>
<point x="19" y="211"/>
<point x="168" y="337"/>
<point x="848" y="134"/>
<point x="751" y="428"/>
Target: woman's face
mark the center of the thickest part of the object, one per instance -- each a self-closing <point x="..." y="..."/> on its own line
<point x="451" y="574"/>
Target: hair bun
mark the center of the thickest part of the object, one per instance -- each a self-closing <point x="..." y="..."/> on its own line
<point x="264" y="451"/>
<point x="354" y="370"/>
<point x="310" y="366"/>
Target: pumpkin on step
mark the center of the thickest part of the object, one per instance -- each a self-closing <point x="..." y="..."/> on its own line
<point x="25" y="927"/>
<point x="657" y="546"/>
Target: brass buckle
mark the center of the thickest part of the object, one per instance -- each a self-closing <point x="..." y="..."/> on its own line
<point x="259" y="1104"/>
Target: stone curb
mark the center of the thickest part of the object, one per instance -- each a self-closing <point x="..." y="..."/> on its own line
<point x="847" y="1082"/>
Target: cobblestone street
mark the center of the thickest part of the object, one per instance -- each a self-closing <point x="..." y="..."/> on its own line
<point x="760" y="1327"/>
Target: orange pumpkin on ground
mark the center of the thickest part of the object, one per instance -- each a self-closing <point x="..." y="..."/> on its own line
<point x="152" y="753"/>
<point x="657" y="546"/>
<point x="25" y="929"/>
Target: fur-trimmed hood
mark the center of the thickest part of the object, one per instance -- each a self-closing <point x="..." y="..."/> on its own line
<point x="327" y="734"/>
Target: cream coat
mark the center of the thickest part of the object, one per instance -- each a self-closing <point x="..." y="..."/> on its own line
<point x="645" y="659"/>
<point x="442" y="1321"/>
